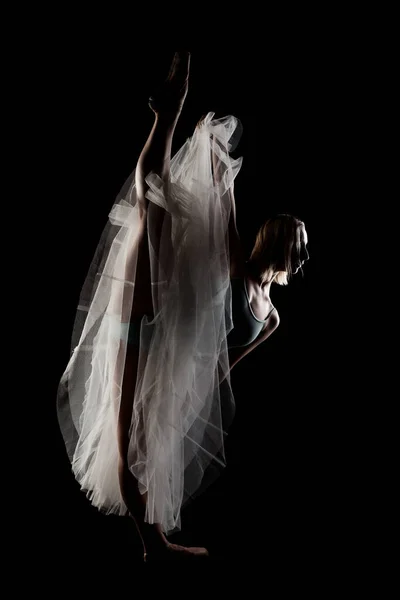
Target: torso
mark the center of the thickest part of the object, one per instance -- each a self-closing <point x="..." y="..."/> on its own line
<point x="260" y="302"/>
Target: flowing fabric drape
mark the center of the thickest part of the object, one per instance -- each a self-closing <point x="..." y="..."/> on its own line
<point x="183" y="401"/>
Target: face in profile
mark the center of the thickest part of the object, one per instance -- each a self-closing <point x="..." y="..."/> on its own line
<point x="300" y="253"/>
<point x="280" y="249"/>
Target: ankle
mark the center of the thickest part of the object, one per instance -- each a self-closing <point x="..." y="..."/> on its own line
<point x="167" y="118"/>
<point x="154" y="538"/>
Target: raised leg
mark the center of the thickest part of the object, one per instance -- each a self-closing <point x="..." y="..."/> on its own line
<point x="155" y="157"/>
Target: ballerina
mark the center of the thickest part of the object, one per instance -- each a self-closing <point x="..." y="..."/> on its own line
<point x="169" y="307"/>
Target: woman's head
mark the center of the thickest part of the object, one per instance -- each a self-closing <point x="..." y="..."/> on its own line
<point x="280" y="248"/>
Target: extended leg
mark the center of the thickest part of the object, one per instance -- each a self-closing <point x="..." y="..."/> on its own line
<point x="166" y="105"/>
<point x="155" y="157"/>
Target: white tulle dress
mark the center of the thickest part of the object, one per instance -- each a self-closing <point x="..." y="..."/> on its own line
<point x="183" y="402"/>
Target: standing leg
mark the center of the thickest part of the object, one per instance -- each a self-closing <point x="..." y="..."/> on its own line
<point x="151" y="535"/>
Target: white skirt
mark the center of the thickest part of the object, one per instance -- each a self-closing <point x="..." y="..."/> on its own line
<point x="181" y="411"/>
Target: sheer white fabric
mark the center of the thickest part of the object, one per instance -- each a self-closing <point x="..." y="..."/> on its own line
<point x="182" y="410"/>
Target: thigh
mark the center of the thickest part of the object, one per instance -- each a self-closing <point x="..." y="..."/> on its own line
<point x="138" y="269"/>
<point x="159" y="226"/>
<point x="156" y="232"/>
<point x="127" y="398"/>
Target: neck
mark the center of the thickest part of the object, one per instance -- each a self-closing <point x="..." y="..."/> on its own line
<point x="262" y="277"/>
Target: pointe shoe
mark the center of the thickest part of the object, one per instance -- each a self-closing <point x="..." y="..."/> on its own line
<point x="175" y="552"/>
<point x="171" y="95"/>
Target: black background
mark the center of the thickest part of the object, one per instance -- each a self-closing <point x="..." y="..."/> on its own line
<point x="285" y="489"/>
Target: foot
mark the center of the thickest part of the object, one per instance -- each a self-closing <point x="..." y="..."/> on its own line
<point x="175" y="552"/>
<point x="170" y="97"/>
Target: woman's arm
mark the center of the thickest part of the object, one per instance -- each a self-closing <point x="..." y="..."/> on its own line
<point x="236" y="354"/>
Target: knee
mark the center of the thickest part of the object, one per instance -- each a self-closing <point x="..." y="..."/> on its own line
<point x="123" y="470"/>
<point x="123" y="445"/>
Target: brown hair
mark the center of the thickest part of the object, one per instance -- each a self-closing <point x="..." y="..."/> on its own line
<point x="272" y="252"/>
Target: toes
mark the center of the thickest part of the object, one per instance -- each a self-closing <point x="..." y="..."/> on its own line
<point x="180" y="66"/>
<point x="199" y="551"/>
<point x="172" y="67"/>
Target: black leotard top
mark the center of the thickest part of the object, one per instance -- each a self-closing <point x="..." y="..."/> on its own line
<point x="246" y="325"/>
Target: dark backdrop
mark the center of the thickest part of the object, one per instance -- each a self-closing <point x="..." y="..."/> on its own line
<point x="279" y="487"/>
